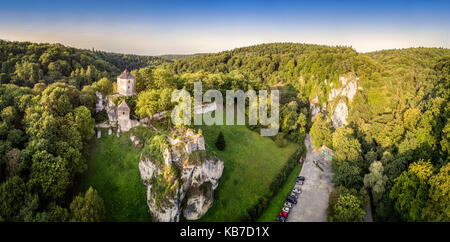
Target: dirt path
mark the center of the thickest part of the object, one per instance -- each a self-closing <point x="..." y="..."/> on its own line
<point x="313" y="202"/>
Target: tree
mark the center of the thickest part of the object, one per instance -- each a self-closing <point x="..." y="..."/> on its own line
<point x="347" y="174"/>
<point x="320" y="132"/>
<point x="376" y="180"/>
<point x="148" y="103"/>
<point x="348" y="209"/>
<point x="143" y="78"/>
<point x="162" y="79"/>
<point x="88" y="98"/>
<point x="39" y="88"/>
<point x="220" y="143"/>
<point x="84" y="122"/>
<point x="104" y="86"/>
<point x="12" y="196"/>
<point x="445" y="141"/>
<point x="345" y="147"/>
<point x="28" y="73"/>
<point x="88" y="207"/>
<point x="56" y="100"/>
<point x="12" y="166"/>
<point x="410" y="191"/>
<point x="302" y="122"/>
<point x="49" y="175"/>
<point x="438" y="205"/>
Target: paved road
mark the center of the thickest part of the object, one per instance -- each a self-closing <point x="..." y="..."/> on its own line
<point x="313" y="202"/>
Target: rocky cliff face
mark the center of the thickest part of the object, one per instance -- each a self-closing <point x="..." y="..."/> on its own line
<point x="184" y="183"/>
<point x="340" y="114"/>
<point x="338" y="100"/>
<point x="347" y="90"/>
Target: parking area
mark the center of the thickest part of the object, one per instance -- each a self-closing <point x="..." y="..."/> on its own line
<point x="312" y="203"/>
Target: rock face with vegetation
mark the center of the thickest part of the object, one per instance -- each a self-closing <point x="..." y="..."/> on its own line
<point x="338" y="99"/>
<point x="342" y="95"/>
<point x="179" y="176"/>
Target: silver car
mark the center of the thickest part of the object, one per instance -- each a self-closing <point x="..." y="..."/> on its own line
<point x="298" y="191"/>
<point x="288" y="204"/>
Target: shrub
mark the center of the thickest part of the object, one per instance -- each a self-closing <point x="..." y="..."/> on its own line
<point x="279" y="140"/>
<point x="155" y="148"/>
<point x="220" y="143"/>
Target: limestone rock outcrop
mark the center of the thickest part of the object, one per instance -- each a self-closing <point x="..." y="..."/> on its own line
<point x="338" y="95"/>
<point x="348" y="88"/>
<point x="183" y="181"/>
<point x="338" y="99"/>
<point x="339" y="115"/>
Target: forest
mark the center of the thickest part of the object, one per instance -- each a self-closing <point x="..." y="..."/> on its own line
<point x="393" y="153"/>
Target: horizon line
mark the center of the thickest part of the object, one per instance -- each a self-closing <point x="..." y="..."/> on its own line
<point x="216" y="52"/>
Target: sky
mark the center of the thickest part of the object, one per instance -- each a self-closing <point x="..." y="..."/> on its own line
<point x="186" y="27"/>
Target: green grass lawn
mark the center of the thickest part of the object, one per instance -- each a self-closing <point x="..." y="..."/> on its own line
<point x="277" y="202"/>
<point x="251" y="164"/>
<point x="113" y="172"/>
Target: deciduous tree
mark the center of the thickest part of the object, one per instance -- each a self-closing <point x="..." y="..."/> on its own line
<point x="88" y="207"/>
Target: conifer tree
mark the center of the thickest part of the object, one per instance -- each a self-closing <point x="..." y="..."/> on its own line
<point x="220" y="143"/>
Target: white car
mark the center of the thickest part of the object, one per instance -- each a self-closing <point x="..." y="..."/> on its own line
<point x="286" y="209"/>
<point x="298" y="191"/>
<point x="288" y="204"/>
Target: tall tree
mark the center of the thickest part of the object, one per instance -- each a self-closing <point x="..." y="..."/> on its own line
<point x="410" y="191"/>
<point x="12" y="197"/>
<point x="345" y="146"/>
<point x="88" y="207"/>
<point x="220" y="143"/>
<point x="376" y="180"/>
<point x="320" y="132"/>
<point x="348" y="209"/>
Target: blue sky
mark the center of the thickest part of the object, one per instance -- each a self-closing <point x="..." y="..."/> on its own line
<point x="177" y="27"/>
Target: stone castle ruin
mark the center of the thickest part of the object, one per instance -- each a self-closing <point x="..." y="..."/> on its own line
<point x="118" y="116"/>
<point x="126" y="85"/>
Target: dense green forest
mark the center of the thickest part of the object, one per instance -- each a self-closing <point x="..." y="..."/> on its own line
<point x="394" y="150"/>
<point x="47" y="103"/>
<point x="25" y="64"/>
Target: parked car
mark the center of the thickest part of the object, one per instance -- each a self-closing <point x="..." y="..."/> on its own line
<point x="285" y="209"/>
<point x="294" y="195"/>
<point x="297" y="190"/>
<point x="301" y="178"/>
<point x="288" y="204"/>
<point x="283" y="214"/>
<point x="298" y="182"/>
<point x="291" y="199"/>
<point x="281" y="218"/>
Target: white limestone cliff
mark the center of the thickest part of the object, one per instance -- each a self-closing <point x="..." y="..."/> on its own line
<point x="191" y="192"/>
<point x="337" y="101"/>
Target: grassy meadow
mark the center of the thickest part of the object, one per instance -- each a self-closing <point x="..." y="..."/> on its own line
<point x="113" y="172"/>
<point x="251" y="164"/>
